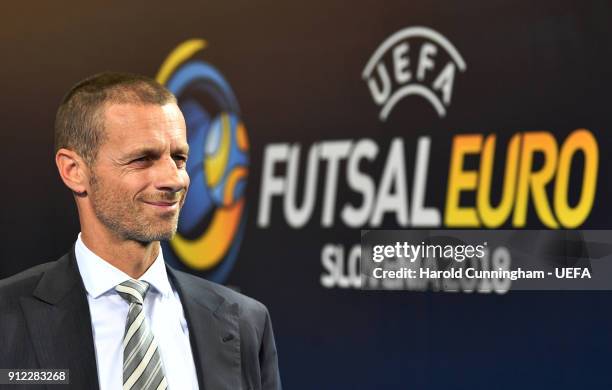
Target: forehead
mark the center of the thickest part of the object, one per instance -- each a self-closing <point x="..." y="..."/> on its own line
<point x="150" y="124"/>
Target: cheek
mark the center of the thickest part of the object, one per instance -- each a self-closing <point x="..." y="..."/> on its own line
<point x="131" y="185"/>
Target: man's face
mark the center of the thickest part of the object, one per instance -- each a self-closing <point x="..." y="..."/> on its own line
<point x="139" y="179"/>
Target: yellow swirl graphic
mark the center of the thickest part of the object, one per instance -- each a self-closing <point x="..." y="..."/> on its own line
<point x="207" y="250"/>
<point x="178" y="56"/>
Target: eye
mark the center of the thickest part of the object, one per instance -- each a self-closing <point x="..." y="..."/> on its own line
<point x="180" y="161"/>
<point x="141" y="160"/>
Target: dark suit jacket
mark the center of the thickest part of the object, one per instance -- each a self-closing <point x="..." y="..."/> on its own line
<point x="45" y="323"/>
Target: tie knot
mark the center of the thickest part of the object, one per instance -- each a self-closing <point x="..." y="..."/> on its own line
<point x="133" y="291"/>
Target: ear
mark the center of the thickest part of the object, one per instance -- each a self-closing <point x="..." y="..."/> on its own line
<point x="73" y="170"/>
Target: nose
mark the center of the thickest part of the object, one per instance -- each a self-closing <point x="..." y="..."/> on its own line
<point x="170" y="177"/>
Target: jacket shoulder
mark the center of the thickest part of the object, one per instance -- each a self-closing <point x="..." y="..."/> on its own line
<point x="23" y="282"/>
<point x="245" y="303"/>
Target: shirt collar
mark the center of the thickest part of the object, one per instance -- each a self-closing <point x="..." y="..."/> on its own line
<point x="99" y="276"/>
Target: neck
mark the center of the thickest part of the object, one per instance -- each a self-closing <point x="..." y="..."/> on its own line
<point x="131" y="257"/>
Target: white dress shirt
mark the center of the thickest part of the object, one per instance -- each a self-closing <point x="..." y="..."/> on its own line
<point x="163" y="311"/>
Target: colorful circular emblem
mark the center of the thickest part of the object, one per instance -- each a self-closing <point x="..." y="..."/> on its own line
<point x="212" y="221"/>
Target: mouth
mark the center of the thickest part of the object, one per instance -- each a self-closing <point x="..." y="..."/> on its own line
<point x="164" y="206"/>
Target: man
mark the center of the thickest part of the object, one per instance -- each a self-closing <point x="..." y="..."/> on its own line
<point x="111" y="311"/>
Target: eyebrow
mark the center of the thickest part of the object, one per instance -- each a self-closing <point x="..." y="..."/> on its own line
<point x="148" y="151"/>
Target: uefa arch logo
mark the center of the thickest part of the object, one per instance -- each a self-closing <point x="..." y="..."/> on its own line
<point x="413" y="61"/>
<point x="212" y="222"/>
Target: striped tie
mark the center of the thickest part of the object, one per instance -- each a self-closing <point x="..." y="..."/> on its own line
<point x="142" y="365"/>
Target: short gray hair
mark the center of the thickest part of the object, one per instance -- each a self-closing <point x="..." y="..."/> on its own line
<point x="79" y="123"/>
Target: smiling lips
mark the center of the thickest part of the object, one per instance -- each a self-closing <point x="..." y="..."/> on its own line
<point x="162" y="203"/>
<point x="165" y="203"/>
<point x="165" y="206"/>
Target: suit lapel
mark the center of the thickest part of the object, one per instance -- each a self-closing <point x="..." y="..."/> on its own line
<point x="59" y="323"/>
<point x="214" y="333"/>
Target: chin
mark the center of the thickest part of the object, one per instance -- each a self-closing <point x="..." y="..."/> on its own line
<point x="167" y="235"/>
<point x="150" y="236"/>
